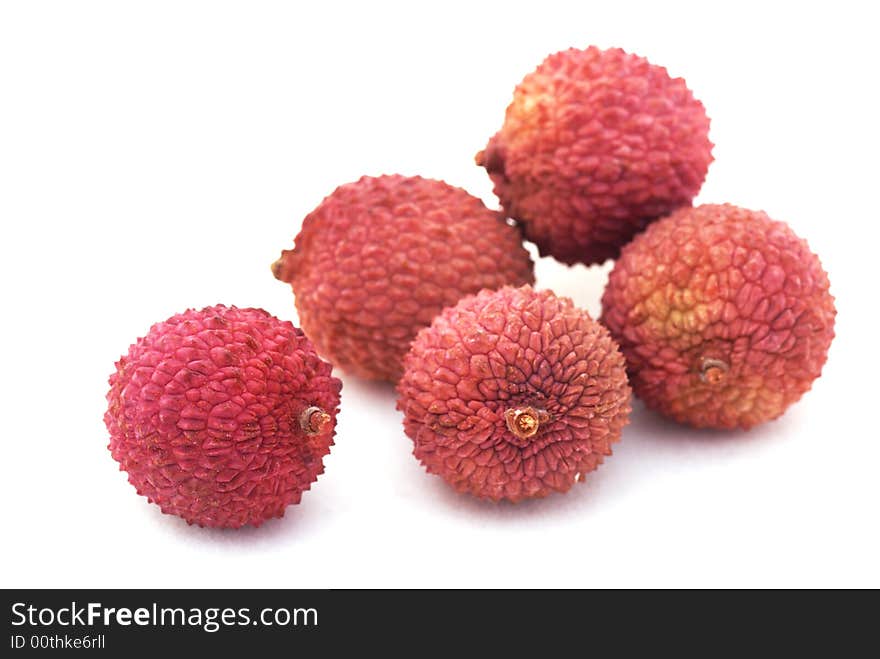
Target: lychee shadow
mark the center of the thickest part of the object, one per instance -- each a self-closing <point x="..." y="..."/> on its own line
<point x="648" y="427"/>
<point x="372" y="391"/>
<point x="300" y="521"/>
<point x="578" y="501"/>
<point x="648" y="446"/>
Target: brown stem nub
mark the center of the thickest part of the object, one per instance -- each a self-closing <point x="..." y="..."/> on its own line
<point x="713" y="370"/>
<point x="283" y="268"/>
<point x="525" y="421"/>
<point x="314" y="420"/>
<point x="276" y="268"/>
<point x="492" y="157"/>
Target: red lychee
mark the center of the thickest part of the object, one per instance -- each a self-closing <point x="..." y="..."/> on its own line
<point x="595" y="145"/>
<point x="222" y="416"/>
<point x="513" y="394"/>
<point x="379" y="258"/>
<point x="725" y="316"/>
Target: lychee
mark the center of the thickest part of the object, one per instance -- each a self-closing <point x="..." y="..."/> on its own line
<point x="222" y="416"/>
<point x="379" y="258"/>
<point x="724" y="315"/>
<point x="595" y="145"/>
<point x="513" y="394"/>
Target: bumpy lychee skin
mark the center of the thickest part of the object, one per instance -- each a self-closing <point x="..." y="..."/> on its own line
<point x="724" y="316"/>
<point x="513" y="394"/>
<point x="222" y="416"/>
<point x="379" y="258"/>
<point x="595" y="145"/>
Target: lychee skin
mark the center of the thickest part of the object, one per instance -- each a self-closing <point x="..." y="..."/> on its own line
<point x="725" y="316"/>
<point x="222" y="416"/>
<point x="513" y="394"/>
<point x="379" y="258"/>
<point x="595" y="145"/>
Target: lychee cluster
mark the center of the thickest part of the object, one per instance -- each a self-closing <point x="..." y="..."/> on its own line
<point x="719" y="316"/>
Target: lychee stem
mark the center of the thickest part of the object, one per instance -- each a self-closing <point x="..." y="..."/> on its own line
<point x="524" y="422"/>
<point x="314" y="420"/>
<point x="713" y="370"/>
<point x="276" y="268"/>
<point x="283" y="268"/>
<point x="491" y="158"/>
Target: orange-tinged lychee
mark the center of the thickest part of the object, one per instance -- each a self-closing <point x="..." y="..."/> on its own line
<point x="724" y="315"/>
<point x="594" y="146"/>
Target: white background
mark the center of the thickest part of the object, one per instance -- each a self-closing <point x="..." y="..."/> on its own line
<point x="158" y="156"/>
